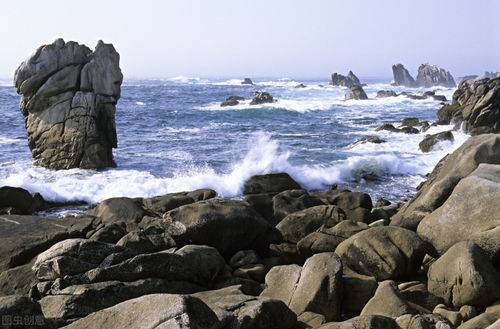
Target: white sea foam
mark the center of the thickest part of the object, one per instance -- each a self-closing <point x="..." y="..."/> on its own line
<point x="140" y="103"/>
<point x="187" y="80"/>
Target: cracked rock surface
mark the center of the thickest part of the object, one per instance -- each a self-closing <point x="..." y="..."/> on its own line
<point x="69" y="94"/>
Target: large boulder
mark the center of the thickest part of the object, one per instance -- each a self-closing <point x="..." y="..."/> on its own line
<point x="20" y="201"/>
<point x="232" y="101"/>
<point x="316" y="287"/>
<point x="383" y="252"/>
<point x="24" y="237"/>
<point x="355" y="92"/>
<point x="402" y="77"/>
<point x="290" y="201"/>
<point x="431" y="75"/>
<point x="471" y="212"/>
<point x="153" y="311"/>
<point x="464" y="276"/>
<point x="427" y="144"/>
<point x="270" y="183"/>
<point x="69" y="94"/>
<point x="475" y="105"/>
<point x="237" y="310"/>
<point x="261" y="97"/>
<point x="346" y="81"/>
<point x="228" y="225"/>
<point x="21" y="312"/>
<point x="356" y="205"/>
<point x="445" y="176"/>
<point x="388" y="302"/>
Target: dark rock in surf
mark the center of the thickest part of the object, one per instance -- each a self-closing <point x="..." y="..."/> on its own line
<point x="16" y="200"/>
<point x="300" y="85"/>
<point x="370" y="139"/>
<point x="261" y="97"/>
<point x="232" y="101"/>
<point x="386" y="93"/>
<point x="429" y="141"/>
<point x="431" y="75"/>
<point x="344" y="81"/>
<point x="355" y="92"/>
<point x="270" y="183"/>
<point x="247" y="81"/>
<point x="69" y="94"/>
<point x="402" y="77"/>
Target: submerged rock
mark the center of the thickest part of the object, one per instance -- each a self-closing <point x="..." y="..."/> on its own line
<point x="69" y="94"/>
<point x="261" y="97"/>
<point x="345" y="81"/>
<point x="402" y="77"/>
<point x="355" y="92"/>
<point x="431" y="75"/>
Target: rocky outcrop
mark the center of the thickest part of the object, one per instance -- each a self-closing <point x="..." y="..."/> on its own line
<point x="355" y="92"/>
<point x="445" y="176"/>
<point x="232" y="101"/>
<point x="69" y="94"/>
<point x="402" y="77"/>
<point x="344" y="81"/>
<point x="431" y="75"/>
<point x="492" y="75"/>
<point x="261" y="97"/>
<point x="475" y="105"/>
<point x="247" y="81"/>
<point x="430" y="141"/>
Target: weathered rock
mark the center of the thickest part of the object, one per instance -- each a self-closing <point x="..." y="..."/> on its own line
<point x="430" y="141"/>
<point x="318" y="242"/>
<point x="110" y="233"/>
<point x="439" y="98"/>
<point x="423" y="321"/>
<point x="475" y="105"/>
<point x="388" y="302"/>
<point x="123" y="209"/>
<point x="402" y="77"/>
<point x="263" y="204"/>
<point x="69" y="94"/>
<point x="492" y="75"/>
<point x="464" y="276"/>
<point x="234" y="309"/>
<point x="232" y="101"/>
<point x="261" y="97"/>
<point x="200" y="265"/>
<point x="150" y="239"/>
<point x="357" y="206"/>
<point x="447" y="173"/>
<point x="153" y="311"/>
<point x="416" y="293"/>
<point x="164" y="203"/>
<point x="383" y="252"/>
<point x="316" y="287"/>
<point x="228" y="225"/>
<point x="471" y="212"/>
<point x="488" y="320"/>
<point x="300" y="85"/>
<point x="411" y="122"/>
<point x="255" y="272"/>
<point x="21" y="200"/>
<point x="363" y="322"/>
<point x="345" y="81"/>
<point x="247" y="81"/>
<point x="358" y="290"/>
<point x="386" y="93"/>
<point x="355" y="92"/>
<point x="24" y="237"/>
<point x="21" y="312"/>
<point x="388" y="127"/>
<point x="431" y="75"/>
<point x="244" y="257"/>
<point x="454" y="317"/>
<point x="270" y="183"/>
<point x="17" y="280"/>
<point x="290" y="201"/>
<point x="370" y="139"/>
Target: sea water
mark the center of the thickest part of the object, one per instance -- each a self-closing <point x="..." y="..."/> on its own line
<point x="174" y="136"/>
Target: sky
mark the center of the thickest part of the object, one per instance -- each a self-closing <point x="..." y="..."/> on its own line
<point x="257" y="38"/>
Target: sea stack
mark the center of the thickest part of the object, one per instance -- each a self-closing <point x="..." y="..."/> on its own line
<point x="402" y="77"/>
<point x="346" y="81"/>
<point x="431" y="75"/>
<point x="69" y="94"/>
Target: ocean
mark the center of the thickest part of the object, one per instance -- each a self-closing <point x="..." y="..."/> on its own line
<point x="174" y="136"/>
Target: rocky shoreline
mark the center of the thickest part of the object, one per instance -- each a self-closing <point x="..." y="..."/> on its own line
<point x="278" y="257"/>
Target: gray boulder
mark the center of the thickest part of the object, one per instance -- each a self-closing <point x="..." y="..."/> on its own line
<point x="464" y="276"/>
<point x="431" y="75"/>
<point x="316" y="287"/>
<point x="475" y="105"/>
<point x="346" y="81"/>
<point x="471" y="212"/>
<point x="69" y="94"/>
<point x="430" y="141"/>
<point x="261" y="97"/>
<point x="355" y="92"/>
<point x="388" y="302"/>
<point x="21" y="312"/>
<point x="445" y="176"/>
<point x="270" y="183"/>
<point x="383" y="252"/>
<point x="153" y="311"/>
<point x="402" y="77"/>
<point x="162" y="204"/>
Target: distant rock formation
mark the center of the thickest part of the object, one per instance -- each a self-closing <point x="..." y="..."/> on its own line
<point x="476" y="104"/>
<point x="69" y="94"/>
<point x="247" y="81"/>
<point x="492" y="75"/>
<point x="355" y="92"/>
<point x="431" y="75"/>
<point x="346" y="81"/>
<point x="300" y="85"/>
<point x="402" y="77"/>
<point x="261" y="97"/>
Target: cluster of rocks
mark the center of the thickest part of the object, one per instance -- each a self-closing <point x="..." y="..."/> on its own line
<point x="69" y="93"/>
<point x="475" y="106"/>
<point x="282" y="257"/>
<point x="258" y="97"/>
<point x="428" y="76"/>
<point x="424" y="95"/>
<point x="407" y="126"/>
<point x="345" y="81"/>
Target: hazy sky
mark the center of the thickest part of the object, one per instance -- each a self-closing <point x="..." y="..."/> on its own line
<point x="273" y="38"/>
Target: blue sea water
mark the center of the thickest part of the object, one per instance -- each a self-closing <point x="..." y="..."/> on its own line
<point x="174" y="136"/>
